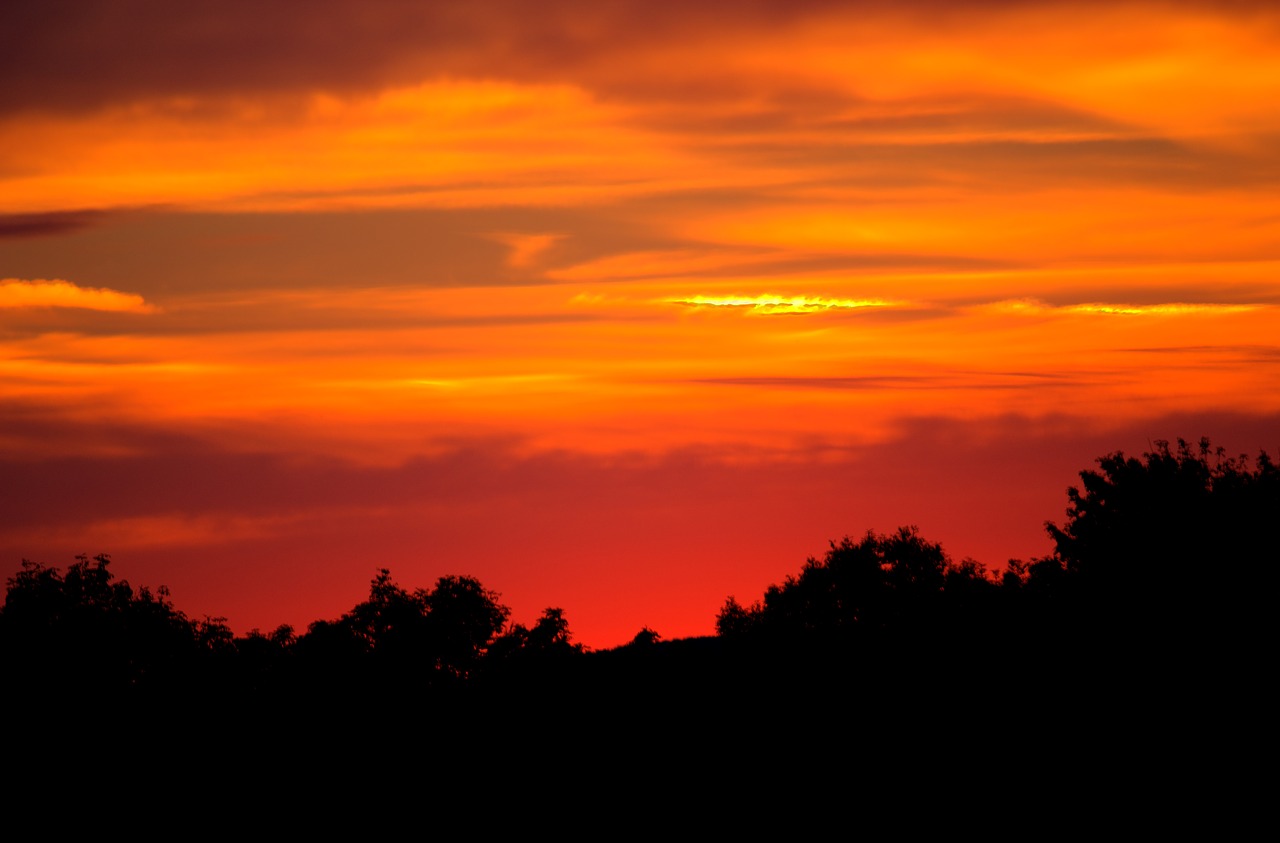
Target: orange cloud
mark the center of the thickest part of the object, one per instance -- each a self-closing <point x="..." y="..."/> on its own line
<point x="15" y="292"/>
<point x="1126" y="224"/>
<point x="435" y="143"/>
<point x="801" y="98"/>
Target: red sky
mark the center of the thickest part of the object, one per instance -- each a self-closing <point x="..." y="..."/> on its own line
<point x="621" y="307"/>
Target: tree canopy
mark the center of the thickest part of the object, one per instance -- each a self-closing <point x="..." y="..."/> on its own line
<point x="1176" y="546"/>
<point x="878" y="581"/>
<point x="1182" y="536"/>
<point x="1171" y="511"/>
<point x="424" y="636"/>
<point x="86" y="629"/>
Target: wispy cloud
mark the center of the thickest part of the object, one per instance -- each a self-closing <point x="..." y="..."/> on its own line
<point x="143" y="531"/>
<point x="526" y="249"/>
<point x="1034" y="307"/>
<point x="774" y="304"/>
<point x="46" y="225"/>
<point x="15" y="292"/>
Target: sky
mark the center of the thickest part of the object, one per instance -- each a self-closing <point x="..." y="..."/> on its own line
<point x="621" y="307"/>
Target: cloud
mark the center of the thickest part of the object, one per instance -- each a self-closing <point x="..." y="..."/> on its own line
<point x="15" y="292"/>
<point x="774" y="304"/>
<point x="1172" y="309"/>
<point x="150" y="531"/>
<point x="526" y="249"/>
<point x="439" y="142"/>
<point x="47" y="224"/>
<point x="82" y="53"/>
<point x="803" y="382"/>
<point x="663" y="263"/>
<point x="1256" y="353"/>
<point x="79" y="54"/>
<point x="1035" y="307"/>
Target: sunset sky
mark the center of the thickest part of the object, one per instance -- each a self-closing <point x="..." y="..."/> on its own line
<point x="622" y="307"/>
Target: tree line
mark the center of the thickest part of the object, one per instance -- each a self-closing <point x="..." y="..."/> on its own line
<point x="1163" y="556"/>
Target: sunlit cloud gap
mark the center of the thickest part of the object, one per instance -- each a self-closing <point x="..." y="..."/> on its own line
<point x="781" y="304"/>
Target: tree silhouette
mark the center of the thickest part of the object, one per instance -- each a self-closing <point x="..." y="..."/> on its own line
<point x="737" y="621"/>
<point x="520" y="649"/>
<point x="85" y="630"/>
<point x="407" y="638"/>
<point x="646" y="637"/>
<point x="463" y="619"/>
<point x="1181" y="537"/>
<point x="878" y="582"/>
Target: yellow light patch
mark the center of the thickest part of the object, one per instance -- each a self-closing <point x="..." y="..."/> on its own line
<point x="781" y="304"/>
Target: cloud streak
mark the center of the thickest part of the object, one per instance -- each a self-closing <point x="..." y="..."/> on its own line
<point x="1033" y="307"/>
<point x="48" y="224"/>
<point x="17" y="293"/>
<point x="774" y="304"/>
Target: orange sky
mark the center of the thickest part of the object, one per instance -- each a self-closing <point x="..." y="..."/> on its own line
<point x="618" y="307"/>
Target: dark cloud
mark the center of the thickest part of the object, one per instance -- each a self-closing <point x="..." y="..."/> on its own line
<point x="257" y="317"/>
<point x="160" y="255"/>
<point x="1007" y="164"/>
<point x="163" y="256"/>
<point x="86" y="53"/>
<point x="851" y="120"/>
<point x="802" y="382"/>
<point x="1210" y="289"/>
<point x="965" y="380"/>
<point x="73" y="54"/>
<point x="1224" y="357"/>
<point x="1109" y="162"/>
<point x="787" y="265"/>
<point x="1258" y="352"/>
<point x="48" y="224"/>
